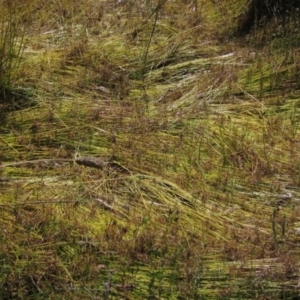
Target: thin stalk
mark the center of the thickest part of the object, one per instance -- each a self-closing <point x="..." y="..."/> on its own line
<point x="156" y="11"/>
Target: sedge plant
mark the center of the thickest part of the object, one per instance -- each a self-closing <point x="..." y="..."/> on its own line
<point x="12" y="44"/>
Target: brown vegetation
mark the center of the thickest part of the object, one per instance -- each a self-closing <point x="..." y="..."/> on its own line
<point x="158" y="157"/>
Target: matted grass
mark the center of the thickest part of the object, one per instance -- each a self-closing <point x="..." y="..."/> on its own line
<point x="207" y="129"/>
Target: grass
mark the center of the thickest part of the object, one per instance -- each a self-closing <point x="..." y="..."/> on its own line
<point x="12" y="33"/>
<point x="206" y="124"/>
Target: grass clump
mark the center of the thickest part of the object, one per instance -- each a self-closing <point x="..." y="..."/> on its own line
<point x="158" y="162"/>
<point x="12" y="43"/>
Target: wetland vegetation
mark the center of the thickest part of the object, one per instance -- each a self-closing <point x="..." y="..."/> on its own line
<point x="148" y="151"/>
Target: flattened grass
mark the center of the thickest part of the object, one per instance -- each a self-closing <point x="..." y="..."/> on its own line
<point x="209" y="135"/>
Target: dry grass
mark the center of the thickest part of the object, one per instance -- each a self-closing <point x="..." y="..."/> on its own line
<point x="207" y="128"/>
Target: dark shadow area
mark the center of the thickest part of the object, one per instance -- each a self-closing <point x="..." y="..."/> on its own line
<point x="14" y="100"/>
<point x="259" y="12"/>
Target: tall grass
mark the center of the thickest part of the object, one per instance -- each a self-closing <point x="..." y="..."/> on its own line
<point x="12" y="42"/>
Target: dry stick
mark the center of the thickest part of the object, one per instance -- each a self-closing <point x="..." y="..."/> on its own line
<point x="88" y="161"/>
<point x="35" y="161"/>
<point x="98" y="163"/>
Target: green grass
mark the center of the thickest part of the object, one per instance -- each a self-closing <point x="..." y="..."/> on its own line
<point x="12" y="34"/>
<point x="207" y="125"/>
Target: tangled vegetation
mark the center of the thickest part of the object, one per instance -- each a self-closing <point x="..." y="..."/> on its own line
<point x="148" y="153"/>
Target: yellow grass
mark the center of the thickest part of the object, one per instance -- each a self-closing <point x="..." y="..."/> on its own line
<point x="205" y="124"/>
